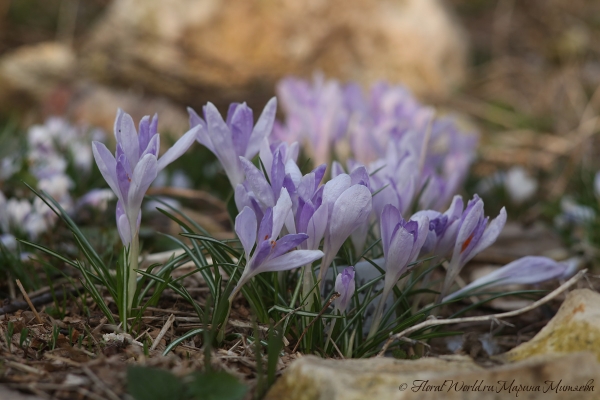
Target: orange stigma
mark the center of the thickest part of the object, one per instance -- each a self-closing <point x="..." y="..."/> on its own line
<point x="467" y="242"/>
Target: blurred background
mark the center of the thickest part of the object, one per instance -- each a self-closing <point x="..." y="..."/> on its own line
<point x="526" y="69"/>
<point x="525" y="74"/>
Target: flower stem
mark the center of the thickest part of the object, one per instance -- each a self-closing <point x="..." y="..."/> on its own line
<point x="134" y="253"/>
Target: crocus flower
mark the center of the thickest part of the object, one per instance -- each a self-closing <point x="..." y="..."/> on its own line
<point x="131" y="171"/>
<point x="345" y="286"/>
<point x="524" y="271"/>
<point x="271" y="254"/>
<point x="474" y="235"/>
<point x="316" y="114"/>
<point x="402" y="241"/>
<point x="236" y="136"/>
<point x="135" y="164"/>
<point x="443" y="228"/>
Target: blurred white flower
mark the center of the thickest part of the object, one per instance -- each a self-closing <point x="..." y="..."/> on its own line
<point x="17" y="211"/>
<point x="520" y="185"/>
<point x="180" y="180"/>
<point x="97" y="198"/>
<point x="9" y="166"/>
<point x="35" y="224"/>
<point x="9" y="241"/>
<point x="573" y="213"/>
<point x="82" y="155"/>
<point x="56" y="186"/>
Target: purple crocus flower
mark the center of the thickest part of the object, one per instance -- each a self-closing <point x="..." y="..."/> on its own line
<point x="316" y="114"/>
<point x="135" y="165"/>
<point x="271" y="254"/>
<point x="524" y="271"/>
<point x="345" y="286"/>
<point x="402" y="241"/>
<point x="236" y="136"/>
<point x="474" y="235"/>
<point x="443" y="228"/>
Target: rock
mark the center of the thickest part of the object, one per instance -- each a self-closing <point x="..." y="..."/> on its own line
<point x="193" y="51"/>
<point x="39" y="67"/>
<point x="44" y="77"/>
<point x="377" y="378"/>
<point x="455" y="377"/>
<point x="574" y="328"/>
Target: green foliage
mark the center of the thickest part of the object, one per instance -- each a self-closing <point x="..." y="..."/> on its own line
<point x="96" y="271"/>
<point x="154" y="384"/>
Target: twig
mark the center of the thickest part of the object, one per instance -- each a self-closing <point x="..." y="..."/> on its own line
<point x="333" y="297"/>
<point x="163" y="331"/>
<point x="188" y="194"/>
<point x="23" y="367"/>
<point x="338" y="350"/>
<point x="434" y="322"/>
<point x="28" y="300"/>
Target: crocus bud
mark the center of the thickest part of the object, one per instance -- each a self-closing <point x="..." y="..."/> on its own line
<point x="345" y="286"/>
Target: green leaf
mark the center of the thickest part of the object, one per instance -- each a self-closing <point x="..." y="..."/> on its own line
<point x="216" y="386"/>
<point x="153" y="384"/>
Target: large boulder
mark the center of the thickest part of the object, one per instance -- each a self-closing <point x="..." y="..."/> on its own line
<point x="195" y="50"/>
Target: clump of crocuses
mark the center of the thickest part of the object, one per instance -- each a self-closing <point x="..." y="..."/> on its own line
<point x="405" y="165"/>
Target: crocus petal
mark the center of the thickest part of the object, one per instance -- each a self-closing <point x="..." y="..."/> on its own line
<point x="153" y="146"/>
<point x="398" y="254"/>
<point x="128" y="138"/>
<point x="334" y="188"/>
<point x="203" y="136"/>
<point x="265" y="228"/>
<point x="390" y="218"/>
<point x="291" y="169"/>
<point x="143" y="175"/>
<point x="144" y="132"/>
<point x="291" y="260"/>
<point x="280" y="212"/>
<point x="123" y="176"/>
<point x="240" y="124"/>
<point x="277" y="173"/>
<point x="180" y="147"/>
<point x="262" y="129"/>
<point x="491" y="232"/>
<point x="422" y="231"/>
<point x="345" y="286"/>
<point x="469" y="223"/>
<point x="360" y="176"/>
<point x="261" y="254"/>
<point x="456" y="207"/>
<point x="316" y="227"/>
<point x="220" y="136"/>
<point x="107" y="166"/>
<point x="258" y="184"/>
<point x="524" y="271"/>
<point x="349" y="211"/>
<point x="195" y="119"/>
<point x="123" y="226"/>
<point x="287" y="243"/>
<point x="336" y="169"/>
<point x="245" y="228"/>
